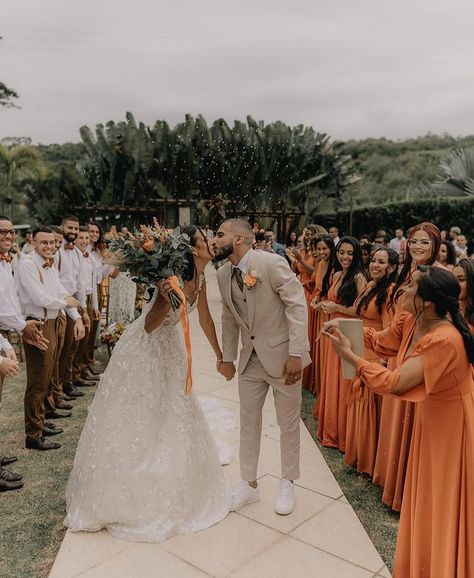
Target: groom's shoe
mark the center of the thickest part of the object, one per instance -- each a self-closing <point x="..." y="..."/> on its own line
<point x="285" y="502"/>
<point x="244" y="494"/>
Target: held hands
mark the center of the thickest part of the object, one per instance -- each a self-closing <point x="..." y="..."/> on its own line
<point x="32" y="334"/>
<point x="9" y="367"/>
<point x="227" y="369"/>
<point x="292" y="370"/>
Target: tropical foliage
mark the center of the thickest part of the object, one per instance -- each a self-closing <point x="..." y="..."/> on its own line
<point x="255" y="166"/>
<point x="7" y="96"/>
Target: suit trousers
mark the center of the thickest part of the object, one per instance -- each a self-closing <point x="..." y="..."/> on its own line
<point x="55" y="393"/>
<point x="66" y="357"/>
<point x="80" y="362"/>
<point x="39" y="369"/>
<point x="254" y="383"/>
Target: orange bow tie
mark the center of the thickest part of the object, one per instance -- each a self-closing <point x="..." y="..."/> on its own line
<point x="69" y="246"/>
<point x="5" y="257"/>
<point x="48" y="263"/>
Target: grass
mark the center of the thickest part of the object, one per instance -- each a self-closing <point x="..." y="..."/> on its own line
<point x="379" y="521"/>
<point x="31" y="527"/>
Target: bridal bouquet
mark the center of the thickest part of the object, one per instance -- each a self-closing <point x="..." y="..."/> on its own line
<point x="153" y="254"/>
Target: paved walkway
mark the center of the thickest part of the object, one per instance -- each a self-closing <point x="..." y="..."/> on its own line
<point x="322" y="538"/>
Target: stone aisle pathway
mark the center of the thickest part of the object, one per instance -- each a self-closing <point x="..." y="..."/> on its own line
<point x="323" y="538"/>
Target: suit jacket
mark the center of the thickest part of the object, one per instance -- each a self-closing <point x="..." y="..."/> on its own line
<point x="277" y="315"/>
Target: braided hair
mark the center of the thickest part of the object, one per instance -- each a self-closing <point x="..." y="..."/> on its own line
<point x="441" y="288"/>
<point x="347" y="292"/>
<point x="380" y="288"/>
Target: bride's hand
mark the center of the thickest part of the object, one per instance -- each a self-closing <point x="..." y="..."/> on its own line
<point x="164" y="287"/>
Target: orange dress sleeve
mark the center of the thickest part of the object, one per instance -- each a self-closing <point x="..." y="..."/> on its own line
<point x="386" y="343"/>
<point x="439" y="357"/>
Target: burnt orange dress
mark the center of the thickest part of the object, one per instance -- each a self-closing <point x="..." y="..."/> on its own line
<point x="436" y="534"/>
<point x="363" y="411"/>
<point x="304" y="276"/>
<point x="395" y="430"/>
<point x="332" y="407"/>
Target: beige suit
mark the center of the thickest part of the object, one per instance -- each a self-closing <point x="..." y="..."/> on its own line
<point x="271" y="319"/>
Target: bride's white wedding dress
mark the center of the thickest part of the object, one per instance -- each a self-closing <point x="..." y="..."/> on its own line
<point x="147" y="466"/>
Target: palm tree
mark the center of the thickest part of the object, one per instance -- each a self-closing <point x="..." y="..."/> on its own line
<point x="456" y="176"/>
<point x="18" y="164"/>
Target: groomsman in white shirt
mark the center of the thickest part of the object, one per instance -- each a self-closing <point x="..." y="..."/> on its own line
<point x="42" y="297"/>
<point x="81" y="375"/>
<point x="68" y="260"/>
<point x="11" y="319"/>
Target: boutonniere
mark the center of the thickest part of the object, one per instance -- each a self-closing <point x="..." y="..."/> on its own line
<point x="251" y="279"/>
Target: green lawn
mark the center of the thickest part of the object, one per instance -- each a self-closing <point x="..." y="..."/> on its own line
<point x="31" y="527"/>
<point x="379" y="521"/>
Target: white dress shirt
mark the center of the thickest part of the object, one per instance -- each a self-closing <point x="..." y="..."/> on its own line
<point x="396" y="244"/>
<point x="39" y="289"/>
<point x="69" y="264"/>
<point x="89" y="280"/>
<point x="5" y="346"/>
<point x="10" y="309"/>
<point x="102" y="270"/>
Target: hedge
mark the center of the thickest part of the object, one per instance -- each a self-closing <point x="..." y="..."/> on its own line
<point x="445" y="213"/>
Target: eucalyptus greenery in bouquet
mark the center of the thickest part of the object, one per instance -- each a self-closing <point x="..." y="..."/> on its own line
<point x="153" y="254"/>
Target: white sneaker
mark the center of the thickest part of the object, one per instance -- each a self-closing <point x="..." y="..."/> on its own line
<point x="285" y="502"/>
<point x="244" y="494"/>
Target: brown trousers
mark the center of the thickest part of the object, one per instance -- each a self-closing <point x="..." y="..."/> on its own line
<point x="55" y="393"/>
<point x="39" y="369"/>
<point x="5" y="334"/>
<point x="80" y="361"/>
<point x="66" y="357"/>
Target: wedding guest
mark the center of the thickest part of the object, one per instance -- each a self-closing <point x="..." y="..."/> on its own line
<point x="347" y="284"/>
<point x="42" y="297"/>
<point x="292" y="242"/>
<point x="55" y="399"/>
<point x="262" y="243"/>
<point x="334" y="234"/>
<point x="396" y="418"/>
<point x="453" y="234"/>
<point x="464" y="273"/>
<point x="28" y="245"/>
<point x="444" y="235"/>
<point x="68" y="261"/>
<point x="366" y="249"/>
<point x="81" y="374"/>
<point x="325" y="252"/>
<point x="363" y="239"/>
<point x="397" y="242"/>
<point x="447" y="255"/>
<point x="302" y="262"/>
<point x="435" y="537"/>
<point x="461" y="247"/>
<point x="277" y="248"/>
<point x="8" y="368"/>
<point x="11" y="318"/>
<point x="374" y="308"/>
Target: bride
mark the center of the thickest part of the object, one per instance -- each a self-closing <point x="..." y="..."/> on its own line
<point x="147" y="466"/>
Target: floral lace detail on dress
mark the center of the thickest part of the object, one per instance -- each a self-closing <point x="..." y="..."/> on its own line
<point x="147" y="466"/>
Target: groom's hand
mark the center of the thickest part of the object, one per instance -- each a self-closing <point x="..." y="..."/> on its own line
<point x="227" y="369"/>
<point x="292" y="370"/>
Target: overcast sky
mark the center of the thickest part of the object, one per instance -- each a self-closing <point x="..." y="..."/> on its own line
<point x="351" y="68"/>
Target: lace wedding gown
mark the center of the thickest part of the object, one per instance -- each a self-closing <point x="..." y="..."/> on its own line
<point x="147" y="466"/>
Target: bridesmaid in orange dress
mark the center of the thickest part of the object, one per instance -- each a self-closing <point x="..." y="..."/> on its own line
<point x="325" y="251"/>
<point x="447" y="255"/>
<point x="303" y="262"/>
<point x="375" y="309"/>
<point x="348" y="283"/>
<point x="396" y="417"/>
<point x="464" y="273"/>
<point x="436" y="532"/>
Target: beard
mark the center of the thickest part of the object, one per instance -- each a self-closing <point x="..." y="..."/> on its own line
<point x="70" y="237"/>
<point x="224" y="252"/>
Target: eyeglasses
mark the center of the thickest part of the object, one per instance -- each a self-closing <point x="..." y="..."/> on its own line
<point x="46" y="243"/>
<point x="5" y="232"/>
<point x="424" y="243"/>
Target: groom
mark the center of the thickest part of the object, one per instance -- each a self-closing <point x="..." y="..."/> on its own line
<point x="264" y="303"/>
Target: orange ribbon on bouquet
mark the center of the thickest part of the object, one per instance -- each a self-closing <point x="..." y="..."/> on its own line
<point x="183" y="315"/>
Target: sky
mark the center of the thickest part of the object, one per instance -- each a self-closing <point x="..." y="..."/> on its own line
<point x="349" y="68"/>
